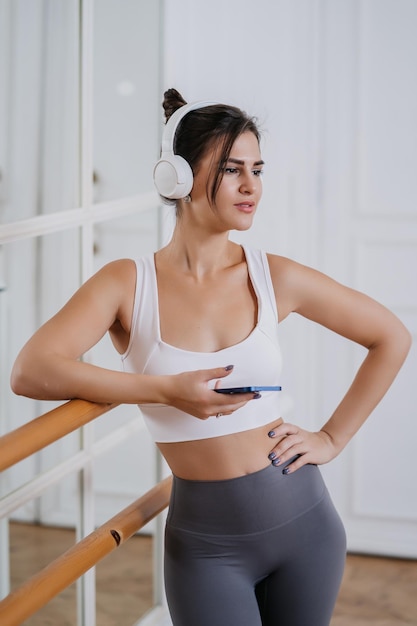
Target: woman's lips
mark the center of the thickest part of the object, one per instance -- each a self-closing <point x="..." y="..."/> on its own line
<point x="245" y="207"/>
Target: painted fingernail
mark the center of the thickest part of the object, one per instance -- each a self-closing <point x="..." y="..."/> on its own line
<point x="276" y="462"/>
<point x="272" y="456"/>
<point x="271" y="433"/>
<point x="257" y="395"/>
<point x="229" y="367"/>
<point x="286" y="470"/>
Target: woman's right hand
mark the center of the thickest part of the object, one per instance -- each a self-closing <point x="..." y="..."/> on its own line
<point x="190" y="392"/>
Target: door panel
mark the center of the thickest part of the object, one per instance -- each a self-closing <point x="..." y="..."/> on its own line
<point x="370" y="200"/>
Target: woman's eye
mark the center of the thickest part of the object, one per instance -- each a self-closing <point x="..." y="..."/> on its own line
<point x="236" y="170"/>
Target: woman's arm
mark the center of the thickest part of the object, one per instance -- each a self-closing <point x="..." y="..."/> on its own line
<point x="358" y="318"/>
<point x="49" y="366"/>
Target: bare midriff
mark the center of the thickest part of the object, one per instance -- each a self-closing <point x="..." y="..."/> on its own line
<point x="220" y="458"/>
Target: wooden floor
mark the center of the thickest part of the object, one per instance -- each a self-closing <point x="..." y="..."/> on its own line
<point x="375" y="591"/>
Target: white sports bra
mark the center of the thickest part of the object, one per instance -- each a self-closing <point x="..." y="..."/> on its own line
<point x="257" y="359"/>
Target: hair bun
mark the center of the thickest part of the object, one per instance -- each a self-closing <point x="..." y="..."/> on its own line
<point x="173" y="100"/>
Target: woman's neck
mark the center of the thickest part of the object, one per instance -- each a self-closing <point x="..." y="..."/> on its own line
<point x="200" y="256"/>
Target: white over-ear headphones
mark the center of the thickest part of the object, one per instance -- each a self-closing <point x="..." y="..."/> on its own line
<point x="172" y="174"/>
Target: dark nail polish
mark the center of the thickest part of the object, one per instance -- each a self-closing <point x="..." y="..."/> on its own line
<point x="257" y="395"/>
<point x="271" y="433"/>
<point x="272" y="456"/>
<point x="286" y="470"/>
<point x="276" y="462"/>
<point x="229" y="367"/>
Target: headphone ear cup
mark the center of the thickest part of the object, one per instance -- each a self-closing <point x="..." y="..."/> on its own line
<point x="173" y="176"/>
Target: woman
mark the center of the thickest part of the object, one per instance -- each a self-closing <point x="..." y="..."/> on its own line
<point x="252" y="536"/>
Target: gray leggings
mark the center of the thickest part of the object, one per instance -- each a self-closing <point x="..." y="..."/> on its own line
<point x="263" y="549"/>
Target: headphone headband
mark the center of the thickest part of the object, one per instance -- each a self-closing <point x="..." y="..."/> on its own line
<point x="172" y="124"/>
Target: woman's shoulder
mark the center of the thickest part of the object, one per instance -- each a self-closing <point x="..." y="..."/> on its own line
<point x="120" y="269"/>
<point x="295" y="276"/>
<point x="291" y="280"/>
<point x="280" y="266"/>
<point x="113" y="281"/>
<point x="115" y="287"/>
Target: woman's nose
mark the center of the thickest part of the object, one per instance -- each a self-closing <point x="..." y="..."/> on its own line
<point x="248" y="183"/>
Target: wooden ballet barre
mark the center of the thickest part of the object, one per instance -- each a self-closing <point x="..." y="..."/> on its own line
<point x="63" y="571"/>
<point x="47" y="428"/>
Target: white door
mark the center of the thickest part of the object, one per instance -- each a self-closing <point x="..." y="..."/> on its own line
<point x="334" y="85"/>
<point x="369" y="240"/>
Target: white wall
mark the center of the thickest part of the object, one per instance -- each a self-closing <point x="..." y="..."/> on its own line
<point x="259" y="57"/>
<point x="332" y="83"/>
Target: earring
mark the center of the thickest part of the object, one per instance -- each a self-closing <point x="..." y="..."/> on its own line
<point x="187" y="198"/>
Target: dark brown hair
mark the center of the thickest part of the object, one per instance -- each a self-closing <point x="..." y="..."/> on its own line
<point x="201" y="130"/>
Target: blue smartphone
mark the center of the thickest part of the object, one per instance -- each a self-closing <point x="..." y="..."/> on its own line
<point x="233" y="390"/>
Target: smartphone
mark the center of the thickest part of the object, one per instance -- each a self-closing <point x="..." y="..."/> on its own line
<point x="233" y="390"/>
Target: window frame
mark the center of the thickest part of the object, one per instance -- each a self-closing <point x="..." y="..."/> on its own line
<point x="84" y="217"/>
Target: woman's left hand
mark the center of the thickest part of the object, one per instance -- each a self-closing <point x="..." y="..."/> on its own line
<point x="314" y="448"/>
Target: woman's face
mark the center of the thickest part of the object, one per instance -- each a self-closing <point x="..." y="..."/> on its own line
<point x="240" y="189"/>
